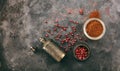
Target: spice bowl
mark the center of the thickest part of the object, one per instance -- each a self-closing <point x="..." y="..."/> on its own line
<point x="94" y="28"/>
<point x="81" y="52"/>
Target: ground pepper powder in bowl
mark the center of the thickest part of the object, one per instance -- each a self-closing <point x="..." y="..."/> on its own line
<point x="94" y="28"/>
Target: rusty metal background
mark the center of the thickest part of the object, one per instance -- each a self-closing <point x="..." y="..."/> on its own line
<point x="22" y="22"/>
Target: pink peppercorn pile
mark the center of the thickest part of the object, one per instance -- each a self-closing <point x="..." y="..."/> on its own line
<point x="81" y="53"/>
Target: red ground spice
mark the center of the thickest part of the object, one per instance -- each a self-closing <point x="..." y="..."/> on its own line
<point x="94" y="28"/>
<point x="94" y="14"/>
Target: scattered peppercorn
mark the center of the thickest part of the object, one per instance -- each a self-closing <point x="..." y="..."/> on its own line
<point x="69" y="31"/>
<point x="81" y="11"/>
<point x="56" y="21"/>
<point x="46" y="35"/>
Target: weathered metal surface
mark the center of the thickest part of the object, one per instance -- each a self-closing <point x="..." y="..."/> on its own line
<point x="22" y="23"/>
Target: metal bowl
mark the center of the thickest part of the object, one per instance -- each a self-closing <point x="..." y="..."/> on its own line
<point x="86" y="46"/>
<point x="94" y="38"/>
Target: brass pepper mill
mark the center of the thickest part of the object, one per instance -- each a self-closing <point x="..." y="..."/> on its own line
<point x="52" y="49"/>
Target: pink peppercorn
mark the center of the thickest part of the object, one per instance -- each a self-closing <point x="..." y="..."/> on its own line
<point x="55" y="29"/>
<point x="81" y="11"/>
<point x="57" y="25"/>
<point x="46" y="35"/>
<point x="81" y="52"/>
<point x="56" y="21"/>
<point x="64" y="29"/>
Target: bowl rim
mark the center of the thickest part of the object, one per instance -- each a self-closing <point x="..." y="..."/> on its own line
<point x="94" y="38"/>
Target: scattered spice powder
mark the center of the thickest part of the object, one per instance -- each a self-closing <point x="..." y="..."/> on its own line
<point x="94" y="14"/>
<point x="94" y="28"/>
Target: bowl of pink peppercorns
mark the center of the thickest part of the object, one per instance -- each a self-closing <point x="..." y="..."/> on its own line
<point x="81" y="52"/>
